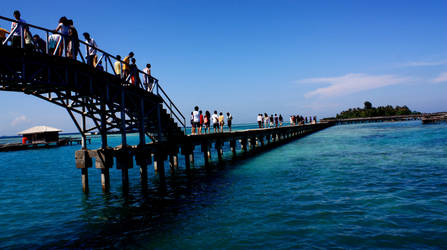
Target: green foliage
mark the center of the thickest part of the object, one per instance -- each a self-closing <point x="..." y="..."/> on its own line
<point x="370" y="111"/>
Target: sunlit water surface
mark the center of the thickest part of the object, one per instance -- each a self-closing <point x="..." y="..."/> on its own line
<point x="374" y="185"/>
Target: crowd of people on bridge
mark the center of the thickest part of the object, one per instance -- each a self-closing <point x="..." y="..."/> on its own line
<point x="202" y="121"/>
<point x="300" y="120"/>
<point x="274" y="121"/>
<point x="64" y="41"/>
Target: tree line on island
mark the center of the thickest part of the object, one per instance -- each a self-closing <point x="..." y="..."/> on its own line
<point x="369" y="111"/>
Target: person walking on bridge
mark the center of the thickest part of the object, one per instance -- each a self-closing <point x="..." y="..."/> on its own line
<point x="266" y="120"/>
<point x="126" y="65"/>
<point x="73" y="43"/>
<point x="117" y="66"/>
<point x="147" y="78"/>
<point x="63" y="28"/>
<point x="259" y="120"/>
<point x="90" y="49"/>
<point x="201" y="121"/>
<point x="206" y="120"/>
<point x="39" y="44"/>
<point x="215" y="119"/>
<point x="221" y="121"/>
<point x="229" y="120"/>
<point x="19" y="31"/>
<point x="195" y="120"/>
<point x="134" y="74"/>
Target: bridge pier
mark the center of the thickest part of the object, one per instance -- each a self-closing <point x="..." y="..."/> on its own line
<point x="187" y="151"/>
<point x="244" y="145"/>
<point x="143" y="158"/>
<point x="233" y="147"/>
<point x="173" y="161"/>
<point x="83" y="161"/>
<point x="124" y="161"/>
<point x="104" y="161"/>
<point x="206" y="153"/>
<point x="159" y="158"/>
<point x="218" y="146"/>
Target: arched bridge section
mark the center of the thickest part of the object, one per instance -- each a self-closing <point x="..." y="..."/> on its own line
<point x="113" y="103"/>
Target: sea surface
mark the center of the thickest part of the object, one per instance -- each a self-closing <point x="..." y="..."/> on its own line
<point x="372" y="185"/>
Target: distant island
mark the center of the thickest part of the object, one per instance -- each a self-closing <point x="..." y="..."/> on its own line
<point x="369" y="111"/>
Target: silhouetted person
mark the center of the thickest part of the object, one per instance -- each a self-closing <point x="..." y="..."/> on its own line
<point x="19" y="30"/>
<point x="90" y="48"/>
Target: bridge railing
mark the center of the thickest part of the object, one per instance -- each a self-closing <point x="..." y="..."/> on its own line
<point x="58" y="44"/>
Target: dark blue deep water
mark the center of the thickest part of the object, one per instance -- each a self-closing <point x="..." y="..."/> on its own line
<point x="377" y="185"/>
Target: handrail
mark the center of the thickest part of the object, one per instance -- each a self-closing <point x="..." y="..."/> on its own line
<point x="106" y="56"/>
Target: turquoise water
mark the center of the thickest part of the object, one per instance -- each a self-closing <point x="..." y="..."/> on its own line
<point x="377" y="185"/>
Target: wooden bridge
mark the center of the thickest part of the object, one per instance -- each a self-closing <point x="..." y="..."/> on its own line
<point x="112" y="104"/>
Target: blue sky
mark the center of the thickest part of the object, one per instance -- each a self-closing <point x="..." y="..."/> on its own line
<point x="246" y="57"/>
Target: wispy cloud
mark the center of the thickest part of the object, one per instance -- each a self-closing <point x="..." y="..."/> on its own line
<point x="441" y="78"/>
<point x="19" y="120"/>
<point x="423" y="63"/>
<point x="351" y="83"/>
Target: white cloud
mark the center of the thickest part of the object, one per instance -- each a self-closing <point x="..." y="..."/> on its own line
<point x="423" y="63"/>
<point x="441" y="78"/>
<point x="351" y="83"/>
<point x="20" y="120"/>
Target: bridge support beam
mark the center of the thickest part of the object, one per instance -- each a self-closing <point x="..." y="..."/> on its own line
<point x="187" y="151"/>
<point x="124" y="161"/>
<point x="218" y="146"/>
<point x="83" y="161"/>
<point x="143" y="158"/>
<point x="205" y="150"/>
<point x="104" y="161"/>
<point x="233" y="147"/>
<point x="244" y="145"/>
<point x="159" y="159"/>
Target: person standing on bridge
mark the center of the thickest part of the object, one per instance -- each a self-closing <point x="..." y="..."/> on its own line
<point x="280" y="120"/>
<point x="73" y="41"/>
<point x="39" y="44"/>
<point x="266" y="120"/>
<point x="201" y="121"/>
<point x="126" y="65"/>
<point x="259" y="120"/>
<point x="195" y="120"/>
<point x="90" y="48"/>
<point x="276" y="120"/>
<point x="147" y="78"/>
<point x="221" y="121"/>
<point x="19" y="31"/>
<point x="134" y="74"/>
<point x="117" y="66"/>
<point x="215" y="119"/>
<point x="206" y="120"/>
<point x="229" y="120"/>
<point x="63" y="28"/>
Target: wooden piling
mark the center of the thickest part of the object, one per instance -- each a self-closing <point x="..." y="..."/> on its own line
<point x="233" y="147"/>
<point x="85" y="187"/>
<point x="205" y="150"/>
<point x="124" y="161"/>
<point x="159" y="161"/>
<point x="104" y="161"/>
<point x="218" y="146"/>
<point x="83" y="161"/>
